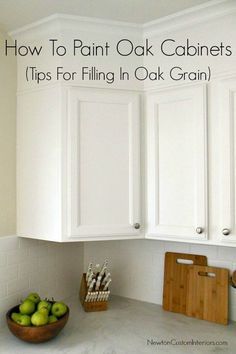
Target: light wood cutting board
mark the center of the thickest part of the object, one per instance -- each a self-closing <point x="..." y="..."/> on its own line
<point x="175" y="279"/>
<point x="207" y="290"/>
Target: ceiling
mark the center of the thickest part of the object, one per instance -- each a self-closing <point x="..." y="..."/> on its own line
<point x="18" y="13"/>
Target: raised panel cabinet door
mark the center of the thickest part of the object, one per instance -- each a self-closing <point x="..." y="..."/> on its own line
<point x="227" y="165"/>
<point x="103" y="164"/>
<point x="177" y="163"/>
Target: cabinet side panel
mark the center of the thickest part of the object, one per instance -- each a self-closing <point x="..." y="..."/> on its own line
<point x="38" y="165"/>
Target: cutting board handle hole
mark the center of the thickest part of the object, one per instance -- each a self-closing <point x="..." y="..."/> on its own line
<point x="184" y="261"/>
<point x="207" y="274"/>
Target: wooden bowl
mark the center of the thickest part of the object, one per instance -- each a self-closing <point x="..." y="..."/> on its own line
<point x="35" y="334"/>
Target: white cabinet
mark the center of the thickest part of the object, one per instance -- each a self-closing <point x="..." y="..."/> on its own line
<point x="226" y="103"/>
<point x="78" y="164"/>
<point x="104" y="163"/>
<point x="177" y="164"/>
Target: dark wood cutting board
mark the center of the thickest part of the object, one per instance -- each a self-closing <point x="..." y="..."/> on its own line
<point x="207" y="297"/>
<point x="175" y="279"/>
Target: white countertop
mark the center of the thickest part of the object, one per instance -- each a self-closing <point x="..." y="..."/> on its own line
<point x="125" y="329"/>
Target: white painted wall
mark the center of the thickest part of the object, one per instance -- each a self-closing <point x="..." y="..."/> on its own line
<point x="137" y="266"/>
<point x="7" y="142"/>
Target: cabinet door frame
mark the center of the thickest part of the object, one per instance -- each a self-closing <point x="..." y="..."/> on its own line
<point x="227" y="172"/>
<point x="168" y="232"/>
<point x="96" y="232"/>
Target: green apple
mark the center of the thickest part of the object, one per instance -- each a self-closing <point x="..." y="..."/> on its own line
<point x="34" y="297"/>
<point x="52" y="319"/>
<point x="27" y="307"/>
<point x="59" y="309"/>
<point x="15" y="316"/>
<point x="39" y="319"/>
<point x="44" y="310"/>
<point x="44" y="303"/>
<point x="24" y="321"/>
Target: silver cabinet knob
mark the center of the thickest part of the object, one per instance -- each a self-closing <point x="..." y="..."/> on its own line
<point x="199" y="230"/>
<point x="225" y="232"/>
<point x="137" y="225"/>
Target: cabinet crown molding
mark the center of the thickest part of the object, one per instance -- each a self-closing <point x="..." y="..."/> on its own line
<point x="182" y="19"/>
<point x="61" y="22"/>
<point x="189" y="17"/>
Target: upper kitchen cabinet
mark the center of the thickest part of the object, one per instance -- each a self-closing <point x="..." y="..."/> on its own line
<point x="225" y="224"/>
<point x="78" y="164"/>
<point x="177" y="164"/>
<point x="103" y="163"/>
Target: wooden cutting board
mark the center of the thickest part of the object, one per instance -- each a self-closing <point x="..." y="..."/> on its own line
<point x="175" y="279"/>
<point x="207" y="297"/>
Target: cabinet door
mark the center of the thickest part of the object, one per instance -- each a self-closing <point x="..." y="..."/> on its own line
<point x="227" y="165"/>
<point x="177" y="152"/>
<point x="104" y="164"/>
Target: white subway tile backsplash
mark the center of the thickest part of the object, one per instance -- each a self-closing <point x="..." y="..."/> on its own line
<point x="227" y="253"/>
<point x="180" y="247"/>
<point x="29" y="267"/>
<point x="205" y="250"/>
<point x="233" y="266"/>
<point x="232" y="295"/>
<point x="233" y="313"/>
<point x="3" y="259"/>
<point x="143" y="288"/>
<point x="17" y="285"/>
<point x="155" y="296"/>
<point x="123" y="286"/>
<point x="51" y="269"/>
<point x="8" y="273"/>
<point x="138" y="265"/>
<point x="155" y="247"/>
<point x="38" y="251"/>
<point x="34" y="285"/>
<point x="9" y="243"/>
<point x="6" y="303"/>
<point x="48" y="261"/>
<point x="47" y="292"/>
<point x="158" y="262"/>
<point x="26" y="243"/>
<point x="3" y="290"/>
<point x="54" y="270"/>
<point x="17" y="256"/>
<point x="41" y="276"/>
<point x="220" y="264"/>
